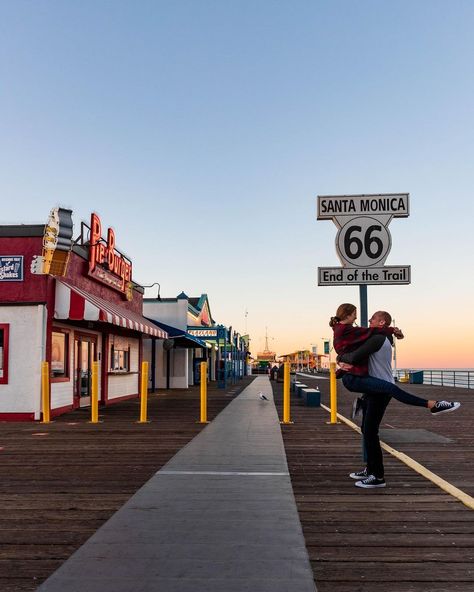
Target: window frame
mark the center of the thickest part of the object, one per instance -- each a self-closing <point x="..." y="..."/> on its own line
<point x="67" y="373"/>
<point x="112" y="353"/>
<point x="5" y="327"/>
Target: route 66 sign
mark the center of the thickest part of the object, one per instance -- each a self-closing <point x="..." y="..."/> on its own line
<point x="363" y="240"/>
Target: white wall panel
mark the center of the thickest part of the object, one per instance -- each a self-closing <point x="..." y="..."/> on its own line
<point x="22" y="394"/>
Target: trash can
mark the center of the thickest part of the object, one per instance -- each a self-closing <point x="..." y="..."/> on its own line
<point x="416" y="377"/>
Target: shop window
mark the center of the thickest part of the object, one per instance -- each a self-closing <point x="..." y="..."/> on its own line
<point x="4" y="337"/>
<point x="59" y="355"/>
<point x="119" y="359"/>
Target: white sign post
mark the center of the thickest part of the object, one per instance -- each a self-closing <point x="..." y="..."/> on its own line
<point x="363" y="240"/>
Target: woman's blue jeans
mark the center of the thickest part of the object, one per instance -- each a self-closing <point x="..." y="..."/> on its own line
<point x="376" y="386"/>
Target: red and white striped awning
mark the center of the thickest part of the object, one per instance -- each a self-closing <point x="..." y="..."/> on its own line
<point x="78" y="305"/>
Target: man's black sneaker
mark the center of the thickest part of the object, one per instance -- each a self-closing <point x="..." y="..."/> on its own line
<point x="444" y="407"/>
<point x="370" y="482"/>
<point x="359" y="475"/>
<point x="357" y="406"/>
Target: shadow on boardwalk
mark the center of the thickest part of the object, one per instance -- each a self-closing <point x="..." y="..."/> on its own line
<point x="60" y="482"/>
<point x="410" y="536"/>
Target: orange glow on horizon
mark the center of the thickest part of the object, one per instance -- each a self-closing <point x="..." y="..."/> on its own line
<point x="422" y="348"/>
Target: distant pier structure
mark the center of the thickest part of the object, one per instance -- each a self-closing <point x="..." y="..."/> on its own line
<point x="267" y="357"/>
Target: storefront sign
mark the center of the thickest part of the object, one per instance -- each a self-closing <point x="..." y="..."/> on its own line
<point x="57" y="241"/>
<point x="11" y="268"/>
<point x="105" y="263"/>
<point x="57" y="244"/>
<point x="203" y="333"/>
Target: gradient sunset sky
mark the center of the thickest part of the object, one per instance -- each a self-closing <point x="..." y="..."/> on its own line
<point x="202" y="132"/>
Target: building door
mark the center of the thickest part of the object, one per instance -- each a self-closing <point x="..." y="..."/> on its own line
<point x="85" y="352"/>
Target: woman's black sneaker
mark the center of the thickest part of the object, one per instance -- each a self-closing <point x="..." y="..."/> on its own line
<point x="360" y="475"/>
<point x="371" y="482"/>
<point x="444" y="407"/>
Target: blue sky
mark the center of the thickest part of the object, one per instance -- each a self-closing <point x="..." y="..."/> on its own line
<point x="203" y="132"/>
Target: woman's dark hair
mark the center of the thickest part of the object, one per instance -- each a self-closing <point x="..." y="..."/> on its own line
<point x="342" y="312"/>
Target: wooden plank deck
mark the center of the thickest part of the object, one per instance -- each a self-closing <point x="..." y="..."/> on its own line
<point x="60" y="482"/>
<point x="410" y="536"/>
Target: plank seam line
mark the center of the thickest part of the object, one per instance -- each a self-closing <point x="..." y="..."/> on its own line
<point x="454" y="491"/>
<point x="225" y="473"/>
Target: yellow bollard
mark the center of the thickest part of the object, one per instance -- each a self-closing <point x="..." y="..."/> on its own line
<point x="203" y="393"/>
<point x="95" y="393"/>
<point x="286" y="393"/>
<point x="333" y="392"/>
<point x="45" y="391"/>
<point x="144" y="394"/>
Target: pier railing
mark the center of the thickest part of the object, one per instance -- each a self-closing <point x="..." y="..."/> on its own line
<point x="458" y="378"/>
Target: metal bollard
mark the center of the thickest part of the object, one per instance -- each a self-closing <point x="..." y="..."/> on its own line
<point x="144" y="393"/>
<point x="333" y="392"/>
<point x="95" y="393"/>
<point x="45" y="392"/>
<point x="203" y="393"/>
<point x="286" y="393"/>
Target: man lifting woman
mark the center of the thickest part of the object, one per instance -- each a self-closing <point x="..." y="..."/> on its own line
<point x="365" y="357"/>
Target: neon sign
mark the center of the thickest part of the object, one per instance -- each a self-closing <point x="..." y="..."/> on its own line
<point x="106" y="264"/>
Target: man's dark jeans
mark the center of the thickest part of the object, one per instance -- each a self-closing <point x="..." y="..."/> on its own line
<point x="374" y="409"/>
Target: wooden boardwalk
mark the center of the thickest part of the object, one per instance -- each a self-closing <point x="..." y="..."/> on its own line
<point x="410" y="536"/>
<point x="60" y="482"/>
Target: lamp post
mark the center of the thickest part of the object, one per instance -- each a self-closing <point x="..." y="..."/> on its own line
<point x="153" y="343"/>
<point x="314" y="353"/>
<point x="394" y="353"/>
<point x="158" y="297"/>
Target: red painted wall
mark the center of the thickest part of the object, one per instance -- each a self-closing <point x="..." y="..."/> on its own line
<point x="33" y="288"/>
<point x="40" y="288"/>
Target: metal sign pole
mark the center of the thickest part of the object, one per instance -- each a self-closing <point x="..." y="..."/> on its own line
<point x="364" y="317"/>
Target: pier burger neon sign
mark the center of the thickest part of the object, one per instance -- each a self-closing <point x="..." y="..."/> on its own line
<point x="106" y="264"/>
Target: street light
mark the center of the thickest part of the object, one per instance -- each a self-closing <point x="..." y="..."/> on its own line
<point x="158" y="297"/>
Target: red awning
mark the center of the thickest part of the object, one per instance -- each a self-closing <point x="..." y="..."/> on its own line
<point x="78" y="305"/>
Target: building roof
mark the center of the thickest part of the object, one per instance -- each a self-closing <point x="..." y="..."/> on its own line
<point x="22" y="230"/>
<point x="180" y="337"/>
<point x="195" y="303"/>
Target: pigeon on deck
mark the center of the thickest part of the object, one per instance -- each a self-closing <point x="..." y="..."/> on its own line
<point x="262" y="397"/>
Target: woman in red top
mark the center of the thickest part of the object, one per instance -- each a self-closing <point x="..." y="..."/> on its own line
<point x="348" y="338"/>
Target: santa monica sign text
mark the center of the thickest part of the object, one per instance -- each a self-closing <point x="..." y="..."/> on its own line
<point x="392" y="204"/>
<point x="363" y="240"/>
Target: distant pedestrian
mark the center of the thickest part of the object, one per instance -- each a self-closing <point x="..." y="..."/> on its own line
<point x="274" y="372"/>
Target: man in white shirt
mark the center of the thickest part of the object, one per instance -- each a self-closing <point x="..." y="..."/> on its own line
<point x="374" y="406"/>
<point x="378" y="350"/>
